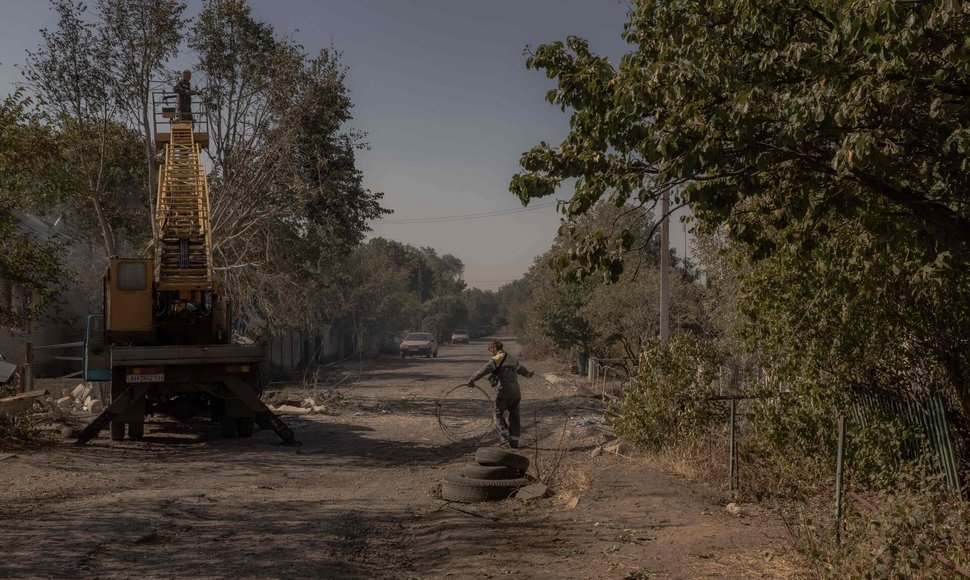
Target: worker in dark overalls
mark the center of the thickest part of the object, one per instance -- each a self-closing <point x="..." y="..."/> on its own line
<point x="184" y="90"/>
<point x="503" y="370"/>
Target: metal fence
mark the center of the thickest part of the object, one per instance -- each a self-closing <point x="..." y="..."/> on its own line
<point x="609" y="376"/>
<point x="927" y="417"/>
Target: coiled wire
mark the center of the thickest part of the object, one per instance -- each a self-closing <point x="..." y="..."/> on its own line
<point x="463" y="418"/>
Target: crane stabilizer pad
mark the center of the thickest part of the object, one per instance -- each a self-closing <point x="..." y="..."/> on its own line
<point x="117" y="406"/>
<point x="263" y="414"/>
<point x="282" y="429"/>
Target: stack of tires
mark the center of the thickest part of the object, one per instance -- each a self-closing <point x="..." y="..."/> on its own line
<point x="496" y="474"/>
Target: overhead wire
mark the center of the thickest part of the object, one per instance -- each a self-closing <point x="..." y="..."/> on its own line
<point x="470" y="216"/>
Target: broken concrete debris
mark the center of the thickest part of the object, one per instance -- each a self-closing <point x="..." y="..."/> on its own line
<point x="533" y="491"/>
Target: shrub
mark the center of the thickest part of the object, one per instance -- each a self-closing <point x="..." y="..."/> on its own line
<point x="670" y="396"/>
<point x="911" y="526"/>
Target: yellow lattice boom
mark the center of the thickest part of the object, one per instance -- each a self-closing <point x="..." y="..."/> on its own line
<point x="183" y="251"/>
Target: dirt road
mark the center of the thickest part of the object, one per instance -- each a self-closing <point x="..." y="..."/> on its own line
<point x="357" y="499"/>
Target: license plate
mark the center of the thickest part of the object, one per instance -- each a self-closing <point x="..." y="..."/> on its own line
<point x="156" y="378"/>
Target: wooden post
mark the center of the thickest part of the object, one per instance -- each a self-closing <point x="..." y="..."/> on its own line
<point x="28" y="378"/>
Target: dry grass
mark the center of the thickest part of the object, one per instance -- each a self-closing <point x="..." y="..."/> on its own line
<point x="706" y="462"/>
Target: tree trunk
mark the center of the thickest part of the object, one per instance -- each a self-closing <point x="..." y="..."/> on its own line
<point x="109" y="238"/>
<point x="150" y="160"/>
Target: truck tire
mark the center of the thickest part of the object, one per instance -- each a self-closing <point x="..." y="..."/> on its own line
<point x="245" y="426"/>
<point x="496" y="456"/>
<point x="479" y="471"/>
<point x="467" y="490"/>
<point x="136" y="430"/>
<point x="229" y="427"/>
<point x="117" y="430"/>
<point x="427" y="354"/>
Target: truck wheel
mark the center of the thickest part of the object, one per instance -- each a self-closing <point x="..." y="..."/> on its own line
<point x="245" y="426"/>
<point x="229" y="427"/>
<point x="427" y="354"/>
<point x="117" y="430"/>
<point x="136" y="430"/>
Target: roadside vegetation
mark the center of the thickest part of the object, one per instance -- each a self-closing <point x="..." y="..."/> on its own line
<point x="821" y="150"/>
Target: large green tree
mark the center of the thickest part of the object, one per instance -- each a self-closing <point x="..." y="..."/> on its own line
<point x="28" y="174"/>
<point x="828" y="138"/>
<point x="288" y="201"/>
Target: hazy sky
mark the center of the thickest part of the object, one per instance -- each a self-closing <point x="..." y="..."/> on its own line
<point x="441" y="88"/>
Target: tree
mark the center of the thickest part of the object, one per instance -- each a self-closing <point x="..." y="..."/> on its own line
<point x="828" y="139"/>
<point x="34" y="266"/>
<point x="142" y="35"/>
<point x="70" y="75"/>
<point x="287" y="197"/>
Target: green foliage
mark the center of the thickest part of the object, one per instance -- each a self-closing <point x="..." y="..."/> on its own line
<point x="35" y="266"/>
<point x="386" y="287"/>
<point x="827" y="142"/>
<point x="669" y="399"/>
<point x="910" y="524"/>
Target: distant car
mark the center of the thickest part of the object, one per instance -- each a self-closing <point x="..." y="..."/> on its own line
<point x="460" y="337"/>
<point x="419" y="343"/>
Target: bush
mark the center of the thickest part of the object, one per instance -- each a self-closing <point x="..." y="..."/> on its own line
<point x="670" y="397"/>
<point x="911" y="525"/>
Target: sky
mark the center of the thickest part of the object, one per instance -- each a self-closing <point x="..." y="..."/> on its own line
<point x="442" y="91"/>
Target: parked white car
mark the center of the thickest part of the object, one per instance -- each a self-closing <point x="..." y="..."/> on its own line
<point x="417" y="343"/>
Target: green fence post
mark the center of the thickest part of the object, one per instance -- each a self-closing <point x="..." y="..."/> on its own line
<point x="732" y="467"/>
<point x="839" y="460"/>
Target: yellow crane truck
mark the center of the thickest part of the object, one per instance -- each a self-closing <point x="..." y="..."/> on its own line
<point x="165" y="337"/>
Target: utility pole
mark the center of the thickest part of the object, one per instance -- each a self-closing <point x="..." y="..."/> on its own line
<point x="665" y="268"/>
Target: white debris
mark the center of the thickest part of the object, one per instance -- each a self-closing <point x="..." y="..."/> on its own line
<point x="733" y="509"/>
<point x="309" y="403"/>
<point x="618" y="448"/>
<point x="81" y="392"/>
<point x="93" y="405"/>
<point x="291" y="410"/>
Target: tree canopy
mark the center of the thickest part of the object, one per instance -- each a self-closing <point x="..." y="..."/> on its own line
<point x="828" y="141"/>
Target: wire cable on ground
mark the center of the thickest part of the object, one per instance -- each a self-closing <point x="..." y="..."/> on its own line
<point x="462" y="418"/>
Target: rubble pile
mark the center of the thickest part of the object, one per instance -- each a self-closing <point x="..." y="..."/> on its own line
<point x="82" y="398"/>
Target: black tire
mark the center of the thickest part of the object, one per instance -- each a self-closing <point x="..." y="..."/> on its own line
<point x="245" y="426"/>
<point x="136" y="430"/>
<point x="427" y="354"/>
<point x="467" y="490"/>
<point x="117" y="430"/>
<point x="496" y="456"/>
<point x="435" y="354"/>
<point x="478" y="471"/>
<point x="229" y="427"/>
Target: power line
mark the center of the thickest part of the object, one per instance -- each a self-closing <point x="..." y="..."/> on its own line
<point x="470" y="216"/>
<point x="489" y="281"/>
